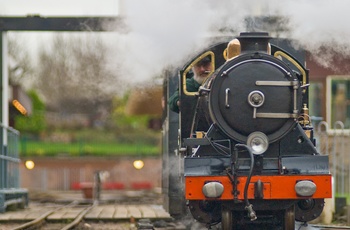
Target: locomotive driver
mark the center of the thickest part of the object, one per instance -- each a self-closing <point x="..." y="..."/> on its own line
<point x="200" y="71"/>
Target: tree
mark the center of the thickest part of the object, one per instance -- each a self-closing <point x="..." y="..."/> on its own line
<point x="20" y="64"/>
<point x="73" y="75"/>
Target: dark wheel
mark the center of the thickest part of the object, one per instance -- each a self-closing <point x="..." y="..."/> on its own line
<point x="308" y="209"/>
<point x="226" y="219"/>
<point x="289" y="218"/>
<point x="230" y="220"/>
<point x="207" y="212"/>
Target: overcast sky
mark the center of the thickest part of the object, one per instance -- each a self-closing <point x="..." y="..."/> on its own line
<point x="163" y="32"/>
<point x="59" y="7"/>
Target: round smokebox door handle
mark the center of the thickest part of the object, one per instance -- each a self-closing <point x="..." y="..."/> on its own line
<point x="227" y="92"/>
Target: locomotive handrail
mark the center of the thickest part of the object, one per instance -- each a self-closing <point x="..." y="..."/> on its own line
<point x="225" y="73"/>
<point x="283" y="54"/>
<point x="276" y="115"/>
<point x="276" y="83"/>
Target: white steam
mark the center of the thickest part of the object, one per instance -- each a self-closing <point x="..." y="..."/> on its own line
<point x="319" y="22"/>
<point x="160" y="34"/>
<point x="163" y="33"/>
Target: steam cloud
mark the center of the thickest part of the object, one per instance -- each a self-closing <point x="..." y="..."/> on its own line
<point x="160" y="34"/>
<point x="164" y="33"/>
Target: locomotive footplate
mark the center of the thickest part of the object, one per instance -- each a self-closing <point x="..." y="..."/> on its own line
<point x="305" y="165"/>
<point x="267" y="186"/>
<point x="275" y="187"/>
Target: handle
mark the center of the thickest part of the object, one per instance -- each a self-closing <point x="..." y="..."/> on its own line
<point x="227" y="92"/>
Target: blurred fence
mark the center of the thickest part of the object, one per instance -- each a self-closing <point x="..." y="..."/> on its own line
<point x="335" y="142"/>
<point x="9" y="158"/>
<point x="69" y="173"/>
<point x="10" y="191"/>
<point x="62" y="179"/>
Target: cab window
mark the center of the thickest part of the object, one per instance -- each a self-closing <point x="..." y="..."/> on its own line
<point x="197" y="72"/>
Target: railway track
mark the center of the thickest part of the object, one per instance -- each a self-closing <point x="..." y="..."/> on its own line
<point x="47" y="219"/>
<point x="88" y="216"/>
<point x="326" y="227"/>
<point x="78" y="216"/>
<point x="131" y="212"/>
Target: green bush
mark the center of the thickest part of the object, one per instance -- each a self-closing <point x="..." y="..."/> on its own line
<point x="35" y="123"/>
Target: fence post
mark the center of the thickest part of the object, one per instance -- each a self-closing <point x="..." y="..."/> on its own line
<point x="340" y="178"/>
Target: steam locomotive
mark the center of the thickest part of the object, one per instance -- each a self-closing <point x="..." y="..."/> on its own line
<point x="245" y="140"/>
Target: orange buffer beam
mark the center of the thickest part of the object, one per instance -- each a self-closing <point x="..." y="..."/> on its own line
<point x="275" y="187"/>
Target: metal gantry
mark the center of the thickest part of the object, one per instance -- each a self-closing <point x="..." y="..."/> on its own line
<point x="10" y="191"/>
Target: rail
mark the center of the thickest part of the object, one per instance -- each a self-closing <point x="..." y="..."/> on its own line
<point x="42" y="219"/>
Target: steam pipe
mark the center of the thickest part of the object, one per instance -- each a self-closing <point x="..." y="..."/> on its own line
<point x="249" y="207"/>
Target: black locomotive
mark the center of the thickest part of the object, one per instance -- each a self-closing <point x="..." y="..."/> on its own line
<point x="246" y="141"/>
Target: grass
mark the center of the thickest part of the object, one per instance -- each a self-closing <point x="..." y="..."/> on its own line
<point x="91" y="142"/>
<point x="40" y="148"/>
<point x="339" y="195"/>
